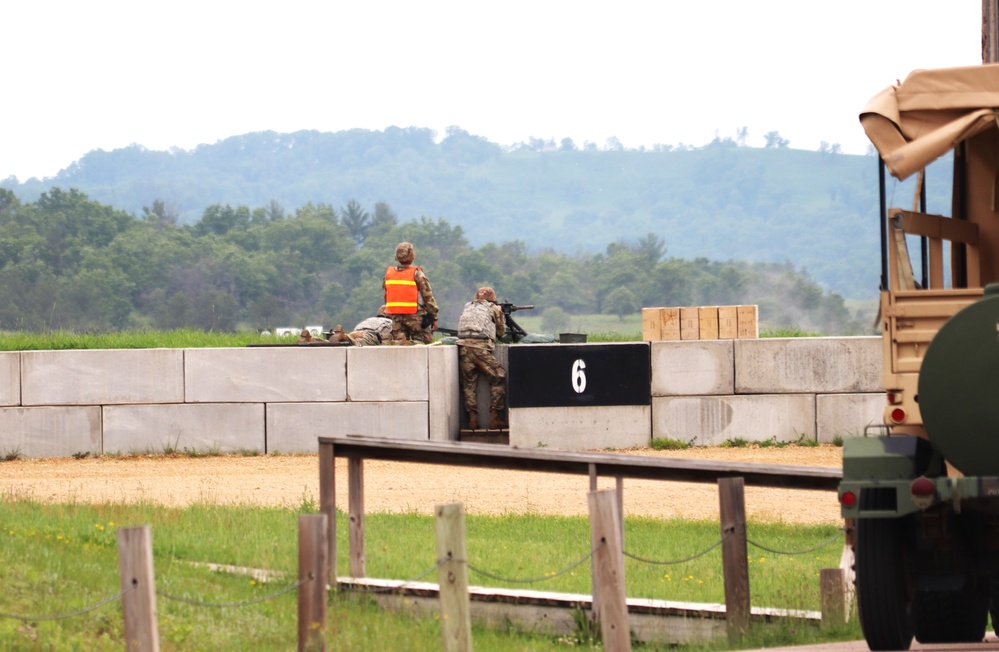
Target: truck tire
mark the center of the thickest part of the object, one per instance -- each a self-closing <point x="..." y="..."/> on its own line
<point x="884" y="599"/>
<point x="951" y="616"/>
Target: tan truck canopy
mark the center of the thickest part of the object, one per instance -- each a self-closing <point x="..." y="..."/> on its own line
<point x="927" y="115"/>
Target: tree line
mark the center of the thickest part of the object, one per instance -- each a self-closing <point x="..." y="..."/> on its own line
<point x="723" y="200"/>
<point x="71" y="263"/>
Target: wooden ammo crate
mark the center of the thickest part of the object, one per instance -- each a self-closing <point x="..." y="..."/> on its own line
<point x="728" y="324"/>
<point x="660" y="324"/>
<point x="670" y="323"/>
<point x="707" y="322"/>
<point x="690" y="324"/>
<point x="652" y="327"/>
<point x="699" y="323"/>
<point x="749" y="326"/>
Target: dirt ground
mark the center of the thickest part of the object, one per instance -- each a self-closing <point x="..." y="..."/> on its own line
<point x="291" y="480"/>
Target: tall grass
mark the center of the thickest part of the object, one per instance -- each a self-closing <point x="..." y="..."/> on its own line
<point x="57" y="559"/>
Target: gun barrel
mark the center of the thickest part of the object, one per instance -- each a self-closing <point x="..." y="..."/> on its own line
<point x="516" y="308"/>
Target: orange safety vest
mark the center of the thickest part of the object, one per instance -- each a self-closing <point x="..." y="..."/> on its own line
<point x="401" y="293"/>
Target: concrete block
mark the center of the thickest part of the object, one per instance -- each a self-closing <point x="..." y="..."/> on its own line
<point x="579" y="428"/>
<point x="693" y="367"/>
<point x="295" y="427"/>
<point x="262" y="374"/>
<point x="10" y="377"/>
<point x="387" y="373"/>
<point x="848" y="415"/>
<point x="712" y="420"/>
<point x="445" y="392"/>
<point x="50" y="431"/>
<point x="102" y="377"/>
<point x="819" y="365"/>
<point x="226" y="427"/>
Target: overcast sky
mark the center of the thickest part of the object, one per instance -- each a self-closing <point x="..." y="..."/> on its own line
<point x="79" y="76"/>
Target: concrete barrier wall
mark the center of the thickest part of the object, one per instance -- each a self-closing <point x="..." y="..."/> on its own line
<point x="781" y="389"/>
<point x="280" y="399"/>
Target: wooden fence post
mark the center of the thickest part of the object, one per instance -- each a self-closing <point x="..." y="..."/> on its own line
<point x="138" y="585"/>
<point x="832" y="594"/>
<point x="594" y="602"/>
<point x="456" y="626"/>
<point x="327" y="506"/>
<point x="608" y="556"/>
<point x="735" y="561"/>
<point x="355" y="498"/>
<point x="312" y="570"/>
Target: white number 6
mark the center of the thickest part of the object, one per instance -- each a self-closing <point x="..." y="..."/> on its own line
<point x="578" y="376"/>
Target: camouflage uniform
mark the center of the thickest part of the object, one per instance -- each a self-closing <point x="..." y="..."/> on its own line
<point x="475" y="356"/>
<point x="369" y="332"/>
<point x="409" y="329"/>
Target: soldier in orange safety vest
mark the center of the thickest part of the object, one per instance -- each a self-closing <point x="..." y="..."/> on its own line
<point x="409" y="299"/>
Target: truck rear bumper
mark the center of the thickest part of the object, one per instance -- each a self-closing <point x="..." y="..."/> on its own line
<point x="904" y="496"/>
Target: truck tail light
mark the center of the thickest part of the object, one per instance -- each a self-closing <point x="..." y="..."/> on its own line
<point x="848" y="499"/>
<point x="894" y="397"/>
<point x="922" y="487"/>
<point x="897" y="415"/>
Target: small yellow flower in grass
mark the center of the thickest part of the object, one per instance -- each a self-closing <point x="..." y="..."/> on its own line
<point x="700" y="581"/>
<point x="110" y="523"/>
<point x="762" y="559"/>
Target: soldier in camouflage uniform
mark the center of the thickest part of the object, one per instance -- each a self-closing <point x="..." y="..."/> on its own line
<point x="481" y="322"/>
<point x="409" y="300"/>
<point x="372" y="331"/>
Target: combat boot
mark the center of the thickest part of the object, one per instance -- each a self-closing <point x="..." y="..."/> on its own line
<point x="473" y="420"/>
<point x="337" y="334"/>
<point x="497" y="421"/>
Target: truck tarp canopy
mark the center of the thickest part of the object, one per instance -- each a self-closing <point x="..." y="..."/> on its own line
<point x="927" y="115"/>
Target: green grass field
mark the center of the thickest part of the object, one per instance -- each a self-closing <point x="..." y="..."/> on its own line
<point x="59" y="559"/>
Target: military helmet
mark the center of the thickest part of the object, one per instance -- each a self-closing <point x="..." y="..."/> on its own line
<point x="405" y="253"/>
<point x="485" y="294"/>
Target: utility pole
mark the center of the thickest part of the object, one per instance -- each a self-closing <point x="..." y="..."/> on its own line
<point x="990" y="31"/>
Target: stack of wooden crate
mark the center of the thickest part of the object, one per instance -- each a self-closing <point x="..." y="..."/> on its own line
<point x="700" y="323"/>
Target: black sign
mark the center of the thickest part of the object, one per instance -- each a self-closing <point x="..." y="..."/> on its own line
<point x="586" y="374"/>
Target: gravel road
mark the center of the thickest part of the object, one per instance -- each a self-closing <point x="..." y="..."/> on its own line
<point x="290" y="480"/>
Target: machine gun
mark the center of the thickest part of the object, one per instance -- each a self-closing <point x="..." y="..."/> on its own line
<point x="514" y="333"/>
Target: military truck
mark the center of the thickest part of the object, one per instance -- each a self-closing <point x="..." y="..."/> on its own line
<point x="924" y="494"/>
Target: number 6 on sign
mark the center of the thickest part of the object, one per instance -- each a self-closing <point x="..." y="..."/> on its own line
<point x="578" y="376"/>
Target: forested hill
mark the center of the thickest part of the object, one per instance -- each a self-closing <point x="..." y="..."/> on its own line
<point x="816" y="211"/>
